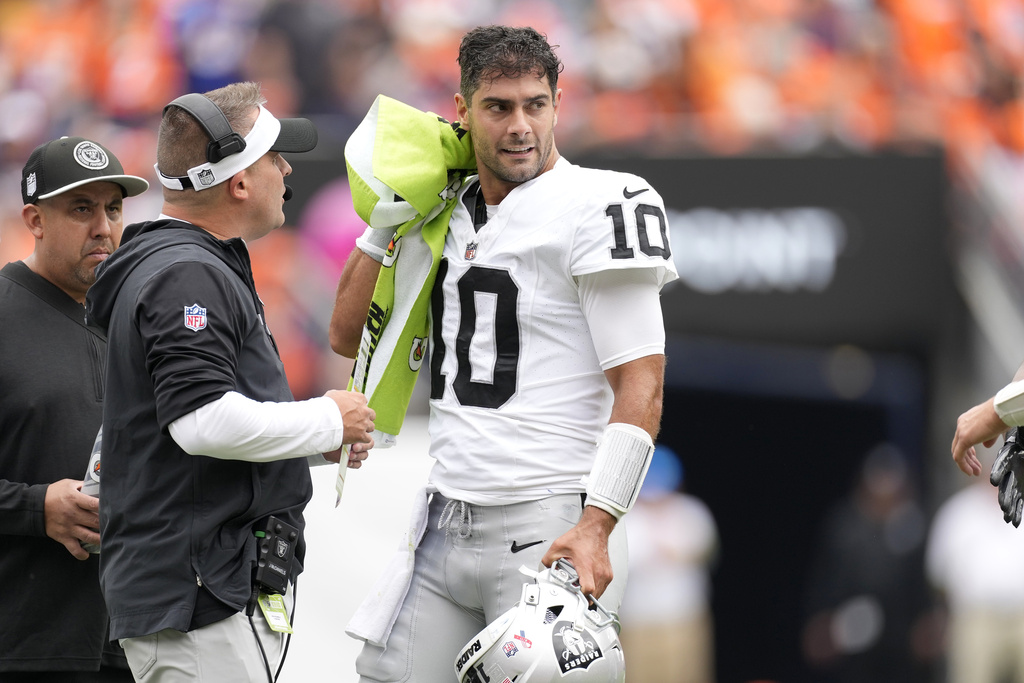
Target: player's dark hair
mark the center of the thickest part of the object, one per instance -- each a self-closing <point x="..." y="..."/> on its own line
<point x="489" y="52"/>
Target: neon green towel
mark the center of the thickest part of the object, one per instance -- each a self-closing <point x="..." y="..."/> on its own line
<point x="404" y="167"/>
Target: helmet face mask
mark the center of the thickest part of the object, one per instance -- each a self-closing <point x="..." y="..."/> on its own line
<point x="549" y="636"/>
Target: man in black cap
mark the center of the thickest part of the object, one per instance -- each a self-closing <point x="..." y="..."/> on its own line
<point x="51" y="369"/>
<point x="205" y="470"/>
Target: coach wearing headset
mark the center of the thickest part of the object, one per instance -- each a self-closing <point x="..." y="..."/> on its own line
<point x="205" y="453"/>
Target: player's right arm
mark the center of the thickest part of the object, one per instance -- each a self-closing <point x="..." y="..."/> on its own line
<point x="352" y="301"/>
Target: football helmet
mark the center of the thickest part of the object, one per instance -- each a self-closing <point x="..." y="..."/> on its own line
<point x="551" y="635"/>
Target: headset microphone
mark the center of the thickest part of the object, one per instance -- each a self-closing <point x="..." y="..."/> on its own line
<point x="287" y="192"/>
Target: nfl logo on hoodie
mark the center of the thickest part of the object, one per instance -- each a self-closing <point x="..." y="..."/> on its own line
<point x="195" y="317"/>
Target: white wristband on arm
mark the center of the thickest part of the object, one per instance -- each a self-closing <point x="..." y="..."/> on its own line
<point x="1009" y="404"/>
<point x="374" y="242"/>
<point x="623" y="457"/>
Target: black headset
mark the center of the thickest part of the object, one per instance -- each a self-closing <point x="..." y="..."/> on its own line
<point x="223" y="140"/>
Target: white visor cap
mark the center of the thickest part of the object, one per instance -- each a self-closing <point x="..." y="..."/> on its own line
<point x="268" y="134"/>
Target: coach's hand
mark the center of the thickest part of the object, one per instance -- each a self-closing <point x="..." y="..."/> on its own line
<point x="71" y="516"/>
<point x="1008" y="474"/>
<point x="358" y="417"/>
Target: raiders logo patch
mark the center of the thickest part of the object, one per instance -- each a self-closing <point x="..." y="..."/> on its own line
<point x="89" y="155"/>
<point x="574" y="649"/>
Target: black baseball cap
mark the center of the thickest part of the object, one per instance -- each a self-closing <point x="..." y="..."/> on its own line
<point x="59" y="165"/>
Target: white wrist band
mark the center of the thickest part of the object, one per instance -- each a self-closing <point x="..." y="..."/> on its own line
<point x="374" y="242"/>
<point x="623" y="457"/>
<point x="1009" y="404"/>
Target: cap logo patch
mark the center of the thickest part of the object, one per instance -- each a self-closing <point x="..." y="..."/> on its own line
<point x="89" y="155"/>
<point x="206" y="177"/>
<point x="195" y="317"/>
<point x="30" y="185"/>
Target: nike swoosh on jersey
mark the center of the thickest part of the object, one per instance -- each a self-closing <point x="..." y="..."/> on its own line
<point x="516" y="547"/>
<point x="629" y="195"/>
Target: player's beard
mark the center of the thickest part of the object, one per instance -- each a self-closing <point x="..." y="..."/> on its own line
<point x="511" y="172"/>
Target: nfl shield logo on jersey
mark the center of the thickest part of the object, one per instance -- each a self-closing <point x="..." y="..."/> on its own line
<point x="471" y="251"/>
<point x="195" y="317"/>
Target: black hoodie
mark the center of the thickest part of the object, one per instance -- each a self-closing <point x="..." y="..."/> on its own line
<point x="184" y="326"/>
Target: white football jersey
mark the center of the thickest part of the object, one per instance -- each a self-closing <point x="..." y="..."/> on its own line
<point x="518" y="397"/>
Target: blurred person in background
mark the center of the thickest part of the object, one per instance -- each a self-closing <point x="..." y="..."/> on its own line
<point x="976" y="561"/>
<point x="667" y="627"/>
<point x="54" y="626"/>
<point x="868" y="605"/>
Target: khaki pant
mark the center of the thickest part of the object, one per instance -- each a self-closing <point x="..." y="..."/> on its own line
<point x="670" y="653"/>
<point x="986" y="647"/>
<point x="225" y="651"/>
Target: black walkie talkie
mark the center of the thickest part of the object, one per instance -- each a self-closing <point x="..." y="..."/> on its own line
<point x="275" y="554"/>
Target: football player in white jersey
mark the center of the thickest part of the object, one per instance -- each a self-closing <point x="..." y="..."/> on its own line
<point x="546" y="360"/>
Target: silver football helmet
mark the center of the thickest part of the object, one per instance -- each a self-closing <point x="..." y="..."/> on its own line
<point x="550" y="636"/>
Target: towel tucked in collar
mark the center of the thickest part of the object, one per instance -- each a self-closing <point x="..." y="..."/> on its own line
<point x="404" y="168"/>
<point x="394" y="342"/>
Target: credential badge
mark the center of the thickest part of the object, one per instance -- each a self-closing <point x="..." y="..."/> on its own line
<point x="195" y="317"/>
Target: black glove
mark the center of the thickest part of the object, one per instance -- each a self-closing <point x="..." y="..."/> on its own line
<point x="1008" y="474"/>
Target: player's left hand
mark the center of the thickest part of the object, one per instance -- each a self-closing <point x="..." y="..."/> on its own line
<point x="981" y="424"/>
<point x="1008" y="474"/>
<point x="586" y="547"/>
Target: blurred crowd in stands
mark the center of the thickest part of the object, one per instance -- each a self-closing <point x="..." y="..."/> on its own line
<point x="657" y="77"/>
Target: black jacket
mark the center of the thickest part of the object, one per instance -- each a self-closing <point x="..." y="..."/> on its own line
<point x="185" y="326"/>
<point x="51" y="403"/>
